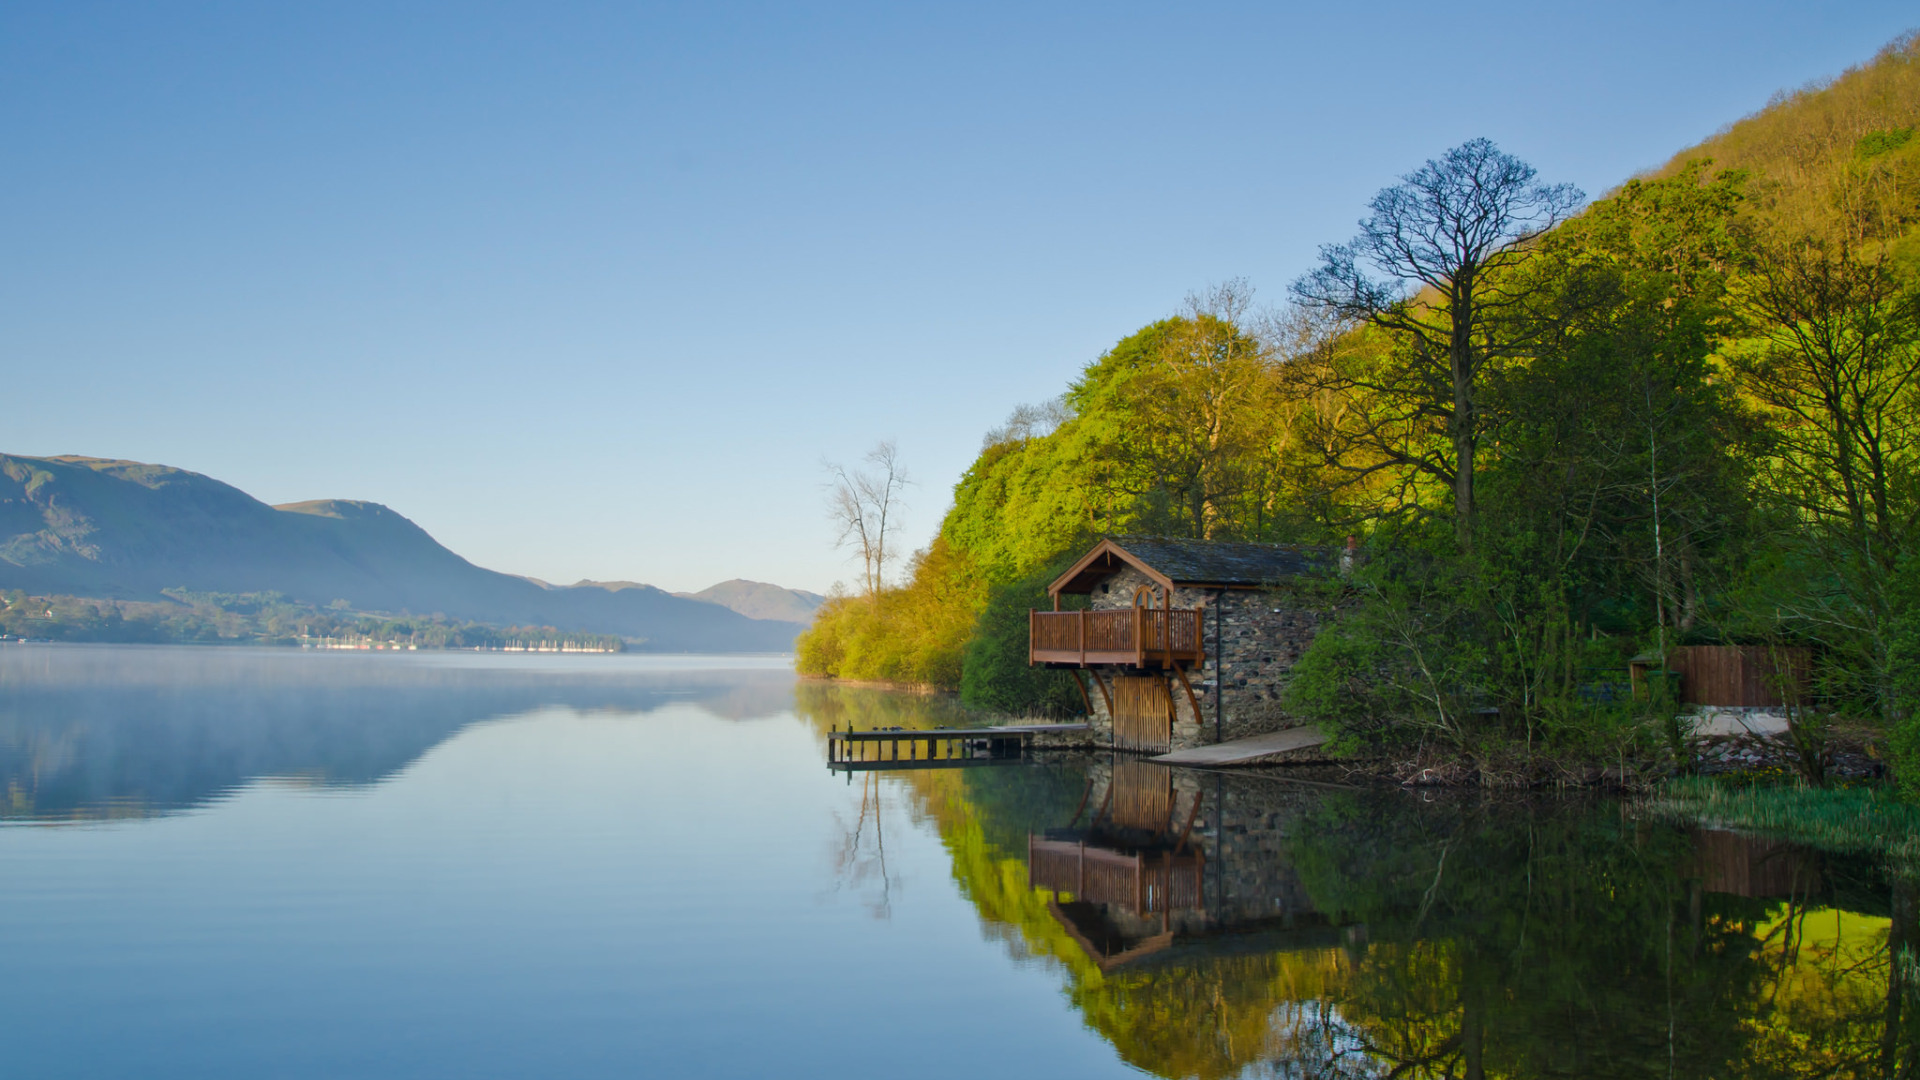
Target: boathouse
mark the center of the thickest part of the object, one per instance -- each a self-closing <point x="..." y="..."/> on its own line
<point x="1183" y="642"/>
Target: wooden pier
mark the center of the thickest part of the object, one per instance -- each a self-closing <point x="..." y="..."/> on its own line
<point x="938" y="748"/>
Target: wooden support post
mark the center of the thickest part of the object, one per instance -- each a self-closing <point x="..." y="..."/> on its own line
<point x="1104" y="803"/>
<point x="1192" y="701"/>
<point x="1080" y="684"/>
<point x="1191" y="815"/>
<point x="1105" y="694"/>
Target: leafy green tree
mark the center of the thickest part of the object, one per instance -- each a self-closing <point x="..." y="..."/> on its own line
<point x="995" y="674"/>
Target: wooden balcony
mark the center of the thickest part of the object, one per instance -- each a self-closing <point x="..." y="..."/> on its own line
<point x="1137" y="637"/>
<point x="1144" y="883"/>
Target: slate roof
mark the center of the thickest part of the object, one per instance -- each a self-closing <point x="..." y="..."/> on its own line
<point x="1199" y="562"/>
<point x="1222" y="562"/>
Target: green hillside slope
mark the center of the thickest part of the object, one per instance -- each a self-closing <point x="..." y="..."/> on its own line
<point x="1836" y="159"/>
<point x="127" y="530"/>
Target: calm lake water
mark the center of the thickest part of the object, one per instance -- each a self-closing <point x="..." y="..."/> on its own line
<point x="271" y="863"/>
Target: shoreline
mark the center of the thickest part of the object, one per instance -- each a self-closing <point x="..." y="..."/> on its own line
<point x="921" y="689"/>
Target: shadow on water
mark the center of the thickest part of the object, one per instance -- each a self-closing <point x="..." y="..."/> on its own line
<point x="1222" y="925"/>
<point x="92" y="732"/>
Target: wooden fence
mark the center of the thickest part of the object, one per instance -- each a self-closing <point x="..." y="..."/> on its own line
<point x="1729" y="862"/>
<point x="1743" y="676"/>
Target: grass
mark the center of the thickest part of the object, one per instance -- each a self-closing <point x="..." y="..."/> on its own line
<point x="1866" y="820"/>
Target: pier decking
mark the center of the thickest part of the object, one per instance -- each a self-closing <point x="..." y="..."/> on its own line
<point x="936" y="748"/>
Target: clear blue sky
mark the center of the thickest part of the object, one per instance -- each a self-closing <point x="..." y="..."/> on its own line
<point x="590" y="290"/>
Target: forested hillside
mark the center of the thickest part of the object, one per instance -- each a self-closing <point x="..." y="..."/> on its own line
<point x="1567" y="432"/>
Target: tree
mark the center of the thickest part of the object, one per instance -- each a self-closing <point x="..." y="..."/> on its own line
<point x="1433" y="268"/>
<point x="1175" y="418"/>
<point x="1834" y="364"/>
<point x="862" y="503"/>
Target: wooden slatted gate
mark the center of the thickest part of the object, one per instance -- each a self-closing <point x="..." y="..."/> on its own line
<point x="1143" y="713"/>
<point x="1142" y="795"/>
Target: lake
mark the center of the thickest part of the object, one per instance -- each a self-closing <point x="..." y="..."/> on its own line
<point x="240" y="862"/>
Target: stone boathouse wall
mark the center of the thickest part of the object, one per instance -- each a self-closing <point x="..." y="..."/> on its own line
<point x="1264" y="633"/>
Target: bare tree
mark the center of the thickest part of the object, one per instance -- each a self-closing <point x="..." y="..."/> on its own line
<point x="1028" y="422"/>
<point x="1431" y="267"/>
<point x="863" y="504"/>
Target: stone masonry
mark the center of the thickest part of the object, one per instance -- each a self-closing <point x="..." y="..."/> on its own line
<point x="1262" y="633"/>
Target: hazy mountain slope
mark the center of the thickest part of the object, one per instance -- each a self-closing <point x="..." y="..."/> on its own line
<point x="92" y="527"/>
<point x="759" y="600"/>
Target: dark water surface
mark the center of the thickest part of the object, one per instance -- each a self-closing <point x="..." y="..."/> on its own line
<point x="270" y="863"/>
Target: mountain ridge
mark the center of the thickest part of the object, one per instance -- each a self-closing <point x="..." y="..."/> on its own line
<point x="119" y="529"/>
<point x="760" y="600"/>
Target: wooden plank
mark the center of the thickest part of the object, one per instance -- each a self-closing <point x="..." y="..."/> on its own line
<point x="933" y="733"/>
<point x="1235" y="751"/>
<point x="913" y="766"/>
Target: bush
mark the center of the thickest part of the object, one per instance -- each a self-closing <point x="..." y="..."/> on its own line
<point x="911" y="634"/>
<point x="994" y="673"/>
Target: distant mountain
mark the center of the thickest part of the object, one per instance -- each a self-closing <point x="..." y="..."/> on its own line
<point x="122" y="529"/>
<point x="759" y="600"/>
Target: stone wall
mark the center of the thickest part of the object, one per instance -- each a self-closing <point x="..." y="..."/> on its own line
<point x="1263" y="634"/>
<point x="1243" y="830"/>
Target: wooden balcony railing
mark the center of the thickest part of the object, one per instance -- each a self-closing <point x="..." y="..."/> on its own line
<point x="1145" y="883"/>
<point x="1134" y="636"/>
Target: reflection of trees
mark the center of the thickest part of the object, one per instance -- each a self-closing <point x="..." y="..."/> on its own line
<point x="1569" y="943"/>
<point x="1216" y="1016"/>
<point x="861" y="859"/>
<point x="1495" y="940"/>
<point x="827" y="705"/>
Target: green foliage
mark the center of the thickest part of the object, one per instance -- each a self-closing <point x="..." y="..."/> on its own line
<point x="911" y="634"/>
<point x="1697" y="421"/>
<point x="1612" y="506"/>
<point x="1875" y="143"/>
<point x="995" y="673"/>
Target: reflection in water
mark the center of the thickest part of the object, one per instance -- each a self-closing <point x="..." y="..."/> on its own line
<point x="1218" y="925"/>
<point x="111" y="732"/>
<point x="1128" y="880"/>
<point x="861" y="860"/>
<point x="630" y="898"/>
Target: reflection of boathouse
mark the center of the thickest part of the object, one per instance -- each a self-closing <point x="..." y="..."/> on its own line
<point x="1132" y="875"/>
<point x="1121" y="880"/>
<point x="1735" y="863"/>
<point x="1183" y="642"/>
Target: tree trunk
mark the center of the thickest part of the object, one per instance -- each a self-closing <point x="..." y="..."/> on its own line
<point x="1900" y="937"/>
<point x="1463" y="446"/>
